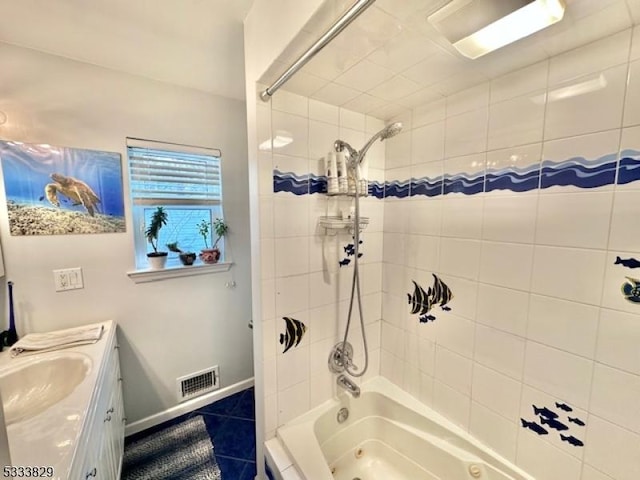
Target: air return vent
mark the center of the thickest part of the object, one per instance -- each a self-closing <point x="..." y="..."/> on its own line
<point x="198" y="383"/>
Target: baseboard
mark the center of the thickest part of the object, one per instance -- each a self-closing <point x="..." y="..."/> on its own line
<point x="186" y="407"/>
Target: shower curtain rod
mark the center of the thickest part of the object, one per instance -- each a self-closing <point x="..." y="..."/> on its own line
<point x="343" y="22"/>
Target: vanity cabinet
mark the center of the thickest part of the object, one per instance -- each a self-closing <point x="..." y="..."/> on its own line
<point x="101" y="446"/>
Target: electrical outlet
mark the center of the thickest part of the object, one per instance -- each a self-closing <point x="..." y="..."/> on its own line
<point x="68" y="279"/>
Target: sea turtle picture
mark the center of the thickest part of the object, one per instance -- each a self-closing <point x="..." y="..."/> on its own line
<point x="75" y="190"/>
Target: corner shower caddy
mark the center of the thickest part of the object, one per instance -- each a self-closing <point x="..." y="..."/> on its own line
<point x="333" y="224"/>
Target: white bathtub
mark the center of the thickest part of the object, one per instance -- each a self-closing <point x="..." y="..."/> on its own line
<point x="388" y="435"/>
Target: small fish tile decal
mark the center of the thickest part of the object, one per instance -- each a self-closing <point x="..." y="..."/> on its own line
<point x="294" y="331"/>
<point x="627" y="262"/>
<point x="422" y="302"/>
<point x="555" y="420"/>
<point x="631" y="290"/>
<point x="350" y="251"/>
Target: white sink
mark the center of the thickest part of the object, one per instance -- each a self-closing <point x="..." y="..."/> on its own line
<point x="33" y="385"/>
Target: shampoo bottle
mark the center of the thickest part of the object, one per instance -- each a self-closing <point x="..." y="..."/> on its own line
<point x="341" y="160"/>
<point x="332" y="174"/>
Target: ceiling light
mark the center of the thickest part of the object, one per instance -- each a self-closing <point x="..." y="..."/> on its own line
<point x="477" y="27"/>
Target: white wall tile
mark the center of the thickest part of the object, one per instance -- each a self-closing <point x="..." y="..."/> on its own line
<point x="460" y="257"/>
<point x="465" y="295"/>
<point x="544" y="461"/>
<point x="632" y="100"/>
<point x="323" y="112"/>
<point x="351" y="120"/>
<point x="427" y="143"/>
<point x="495" y="431"/>
<point x="635" y="43"/>
<point x="429" y="113"/>
<point x="618" y="340"/>
<point x="503" y="308"/>
<point x="575" y="115"/>
<point x="292" y="294"/>
<point x="594" y="57"/>
<point x="466" y="133"/>
<point x="292" y="402"/>
<point x="294" y="127"/>
<point x="321" y="138"/>
<point x="568" y="273"/>
<point x="292" y="256"/>
<point x="467" y="100"/>
<point x="497" y="392"/>
<point x="500" y="351"/>
<point x="574" y="219"/>
<point x="615" y="397"/>
<point x="462" y="217"/>
<point x="454" y="333"/>
<point x="612" y="450"/>
<point x="398" y="150"/>
<point x="426" y="215"/>
<point x="453" y="370"/>
<point x="506" y="264"/>
<point x="558" y="373"/>
<point x="452" y="404"/>
<point x="517" y="121"/>
<point x="293" y="367"/>
<point x="590" y="473"/>
<point x="562" y="324"/>
<point x="290" y="103"/>
<point x="521" y="81"/>
<point x="625" y="225"/>
<point x="289" y="216"/>
<point x="510" y="218"/>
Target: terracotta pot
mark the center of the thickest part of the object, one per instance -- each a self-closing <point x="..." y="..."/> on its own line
<point x="210" y="255"/>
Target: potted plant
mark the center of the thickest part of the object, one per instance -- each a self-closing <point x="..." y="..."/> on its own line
<point x="187" y="258"/>
<point x="211" y="255"/>
<point x="157" y="260"/>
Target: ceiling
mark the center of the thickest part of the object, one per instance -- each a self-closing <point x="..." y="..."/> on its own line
<point x="391" y="59"/>
<point x="192" y="43"/>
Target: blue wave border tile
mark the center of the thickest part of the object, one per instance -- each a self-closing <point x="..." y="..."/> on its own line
<point x="513" y="179"/>
<point x="290" y="182"/>
<point x="579" y="172"/>
<point x="629" y="168"/>
<point x="464" y="183"/>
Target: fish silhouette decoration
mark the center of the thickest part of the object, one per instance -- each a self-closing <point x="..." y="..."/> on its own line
<point x="631" y="290"/>
<point x="572" y="440"/>
<point x="627" y="262"/>
<point x="421" y="301"/>
<point x="564" y="406"/>
<point x="577" y="421"/>
<point x="293" y="334"/>
<point x="553" y="423"/>
<point x="544" y="412"/>
<point x="533" y="426"/>
<point x="344" y="262"/>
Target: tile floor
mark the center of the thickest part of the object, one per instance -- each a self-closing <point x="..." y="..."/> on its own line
<point x="231" y="426"/>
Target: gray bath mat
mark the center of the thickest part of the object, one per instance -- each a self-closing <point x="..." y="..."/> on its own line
<point x="180" y="452"/>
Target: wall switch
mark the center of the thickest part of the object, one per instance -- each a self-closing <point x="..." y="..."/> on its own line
<point x="68" y="279"/>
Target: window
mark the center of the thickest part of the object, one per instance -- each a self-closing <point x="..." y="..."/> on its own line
<point x="186" y="182"/>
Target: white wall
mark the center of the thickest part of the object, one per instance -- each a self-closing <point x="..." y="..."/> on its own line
<point x="538" y="315"/>
<point x="169" y="328"/>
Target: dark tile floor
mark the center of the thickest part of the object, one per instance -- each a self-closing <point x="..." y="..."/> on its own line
<point x="231" y="426"/>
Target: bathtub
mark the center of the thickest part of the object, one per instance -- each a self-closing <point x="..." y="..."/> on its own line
<point x="388" y="435"/>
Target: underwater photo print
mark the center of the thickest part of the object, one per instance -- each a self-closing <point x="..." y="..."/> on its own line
<point x="58" y="190"/>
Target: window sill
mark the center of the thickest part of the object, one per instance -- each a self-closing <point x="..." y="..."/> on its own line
<point x="144" y="276"/>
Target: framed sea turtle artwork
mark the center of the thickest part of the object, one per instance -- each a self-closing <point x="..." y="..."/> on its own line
<point x="59" y="190"/>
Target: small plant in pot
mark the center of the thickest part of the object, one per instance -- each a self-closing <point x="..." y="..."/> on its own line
<point x="211" y="255"/>
<point x="157" y="260"/>
<point x="187" y="258"/>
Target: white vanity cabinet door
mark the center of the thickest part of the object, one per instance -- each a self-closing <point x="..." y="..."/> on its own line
<point x="103" y="449"/>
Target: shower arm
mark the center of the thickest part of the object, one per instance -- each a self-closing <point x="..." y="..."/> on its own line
<point x="343" y="22"/>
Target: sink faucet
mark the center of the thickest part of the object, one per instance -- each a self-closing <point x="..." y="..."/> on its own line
<point x="348" y="385"/>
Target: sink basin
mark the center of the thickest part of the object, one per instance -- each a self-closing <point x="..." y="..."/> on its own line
<point x="36" y="384"/>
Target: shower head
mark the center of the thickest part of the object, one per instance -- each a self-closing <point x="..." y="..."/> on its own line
<point x="390" y="130"/>
<point x="357" y="157"/>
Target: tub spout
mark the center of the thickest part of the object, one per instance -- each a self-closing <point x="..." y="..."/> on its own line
<point x="348" y="385"/>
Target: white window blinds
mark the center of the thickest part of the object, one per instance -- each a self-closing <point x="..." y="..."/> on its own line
<point x="160" y="177"/>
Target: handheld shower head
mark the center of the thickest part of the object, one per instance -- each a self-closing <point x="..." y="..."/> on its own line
<point x="390" y="130"/>
<point x="356" y="157"/>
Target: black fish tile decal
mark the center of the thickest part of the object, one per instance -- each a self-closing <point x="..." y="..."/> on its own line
<point x="631" y="290"/>
<point x="293" y="334"/>
<point x="350" y="251"/>
<point x="572" y="440"/>
<point x="627" y="262"/>
<point x="534" y="427"/>
<point x="553" y="423"/>
<point x="344" y="262"/>
<point x="577" y="421"/>
<point x="555" y="420"/>
<point x="421" y="301"/>
<point x="564" y="406"/>
<point x="544" y="412"/>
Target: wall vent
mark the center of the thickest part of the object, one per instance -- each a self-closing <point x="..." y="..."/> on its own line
<point x="198" y="383"/>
